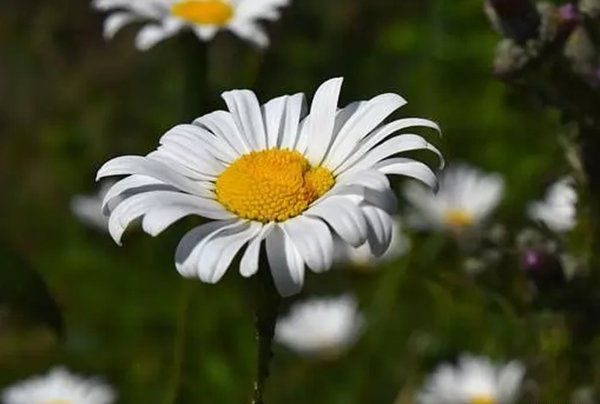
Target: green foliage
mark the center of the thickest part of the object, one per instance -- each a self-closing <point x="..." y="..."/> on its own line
<point x="71" y="101"/>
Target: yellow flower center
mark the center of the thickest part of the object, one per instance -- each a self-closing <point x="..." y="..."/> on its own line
<point x="58" y="401"/>
<point x="205" y="12"/>
<point x="458" y="218"/>
<point x="482" y="400"/>
<point x="272" y="185"/>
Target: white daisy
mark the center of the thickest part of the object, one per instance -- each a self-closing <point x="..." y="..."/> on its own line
<point x="204" y="17"/>
<point x="88" y="208"/>
<point x="363" y="257"/>
<point x="474" y="380"/>
<point x="558" y="210"/>
<point x="466" y="197"/>
<point x="322" y="327"/>
<point x="272" y="173"/>
<point x="59" y="387"/>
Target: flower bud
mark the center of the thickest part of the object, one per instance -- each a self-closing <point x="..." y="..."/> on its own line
<point x="518" y="19"/>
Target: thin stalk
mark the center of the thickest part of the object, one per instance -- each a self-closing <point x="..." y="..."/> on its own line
<point x="267" y="309"/>
<point x="179" y="343"/>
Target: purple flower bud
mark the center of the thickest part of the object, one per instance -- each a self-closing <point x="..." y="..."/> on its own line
<point x="543" y="268"/>
<point x="569" y="13"/>
<point x="519" y="19"/>
<point x="569" y="16"/>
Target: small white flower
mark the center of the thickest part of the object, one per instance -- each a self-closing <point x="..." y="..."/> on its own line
<point x="88" y="208"/>
<point x="558" y="210"/>
<point x="322" y="327"/>
<point x="363" y="257"/>
<point x="204" y="17"/>
<point x="59" y="387"/>
<point x="272" y="173"/>
<point x="474" y="380"/>
<point x="466" y="197"/>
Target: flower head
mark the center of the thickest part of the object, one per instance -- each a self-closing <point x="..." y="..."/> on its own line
<point x="272" y="173"/>
<point x="466" y="197"/>
<point x="558" y="211"/>
<point x="204" y="17"/>
<point x="323" y="327"/>
<point x="59" y="387"/>
<point x="474" y="380"/>
<point x="362" y="257"/>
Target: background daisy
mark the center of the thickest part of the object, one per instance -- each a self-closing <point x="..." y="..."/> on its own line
<point x="473" y="380"/>
<point x="205" y="18"/>
<point x="272" y="173"/>
<point x="323" y="327"/>
<point x="465" y="199"/>
<point x="558" y="211"/>
<point x="61" y="387"/>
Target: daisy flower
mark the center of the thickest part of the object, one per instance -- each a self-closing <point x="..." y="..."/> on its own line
<point x="59" y="387"/>
<point x="466" y="197"/>
<point x="276" y="174"/>
<point x="88" y="208"/>
<point x="363" y="257"/>
<point x="558" y="210"/>
<point x="205" y="18"/>
<point x="474" y="380"/>
<point x="322" y="327"/>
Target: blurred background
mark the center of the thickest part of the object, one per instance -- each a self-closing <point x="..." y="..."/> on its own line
<point x="70" y="101"/>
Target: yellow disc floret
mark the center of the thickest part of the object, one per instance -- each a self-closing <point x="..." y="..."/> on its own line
<point x="458" y="218"/>
<point x="58" y="401"/>
<point x="482" y="400"/>
<point x="271" y="185"/>
<point x="204" y="12"/>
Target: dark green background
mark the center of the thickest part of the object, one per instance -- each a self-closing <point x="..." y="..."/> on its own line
<point x="69" y="101"/>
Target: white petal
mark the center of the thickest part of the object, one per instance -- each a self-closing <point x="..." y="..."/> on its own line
<point x="287" y="266"/>
<point x="176" y="162"/>
<point x="509" y="381"/>
<point x="187" y="253"/>
<point x="344" y="216"/>
<point x="321" y="120"/>
<point x="250" y="259"/>
<point x="221" y="124"/>
<point x="380" y="228"/>
<point x="217" y="251"/>
<point x="130" y="186"/>
<point x="115" y="22"/>
<point x="127" y="165"/>
<point x="398" y="144"/>
<point x="294" y="111"/>
<point x="247" y="115"/>
<point x="150" y="35"/>
<point x="195" y="139"/>
<point x="408" y="168"/>
<point x="144" y="204"/>
<point x="313" y="240"/>
<point x="158" y="219"/>
<point x="273" y="116"/>
<point x="251" y="32"/>
<point x="383" y="133"/>
<point x="205" y="33"/>
<point x="359" y="125"/>
<point x="367" y="178"/>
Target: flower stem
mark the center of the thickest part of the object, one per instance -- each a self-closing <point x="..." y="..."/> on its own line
<point x="267" y="309"/>
<point x="179" y="344"/>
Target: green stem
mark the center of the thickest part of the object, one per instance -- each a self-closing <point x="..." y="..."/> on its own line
<point x="179" y="344"/>
<point x="268" y="302"/>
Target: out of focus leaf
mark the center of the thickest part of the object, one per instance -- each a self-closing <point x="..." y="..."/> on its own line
<point x="23" y="290"/>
